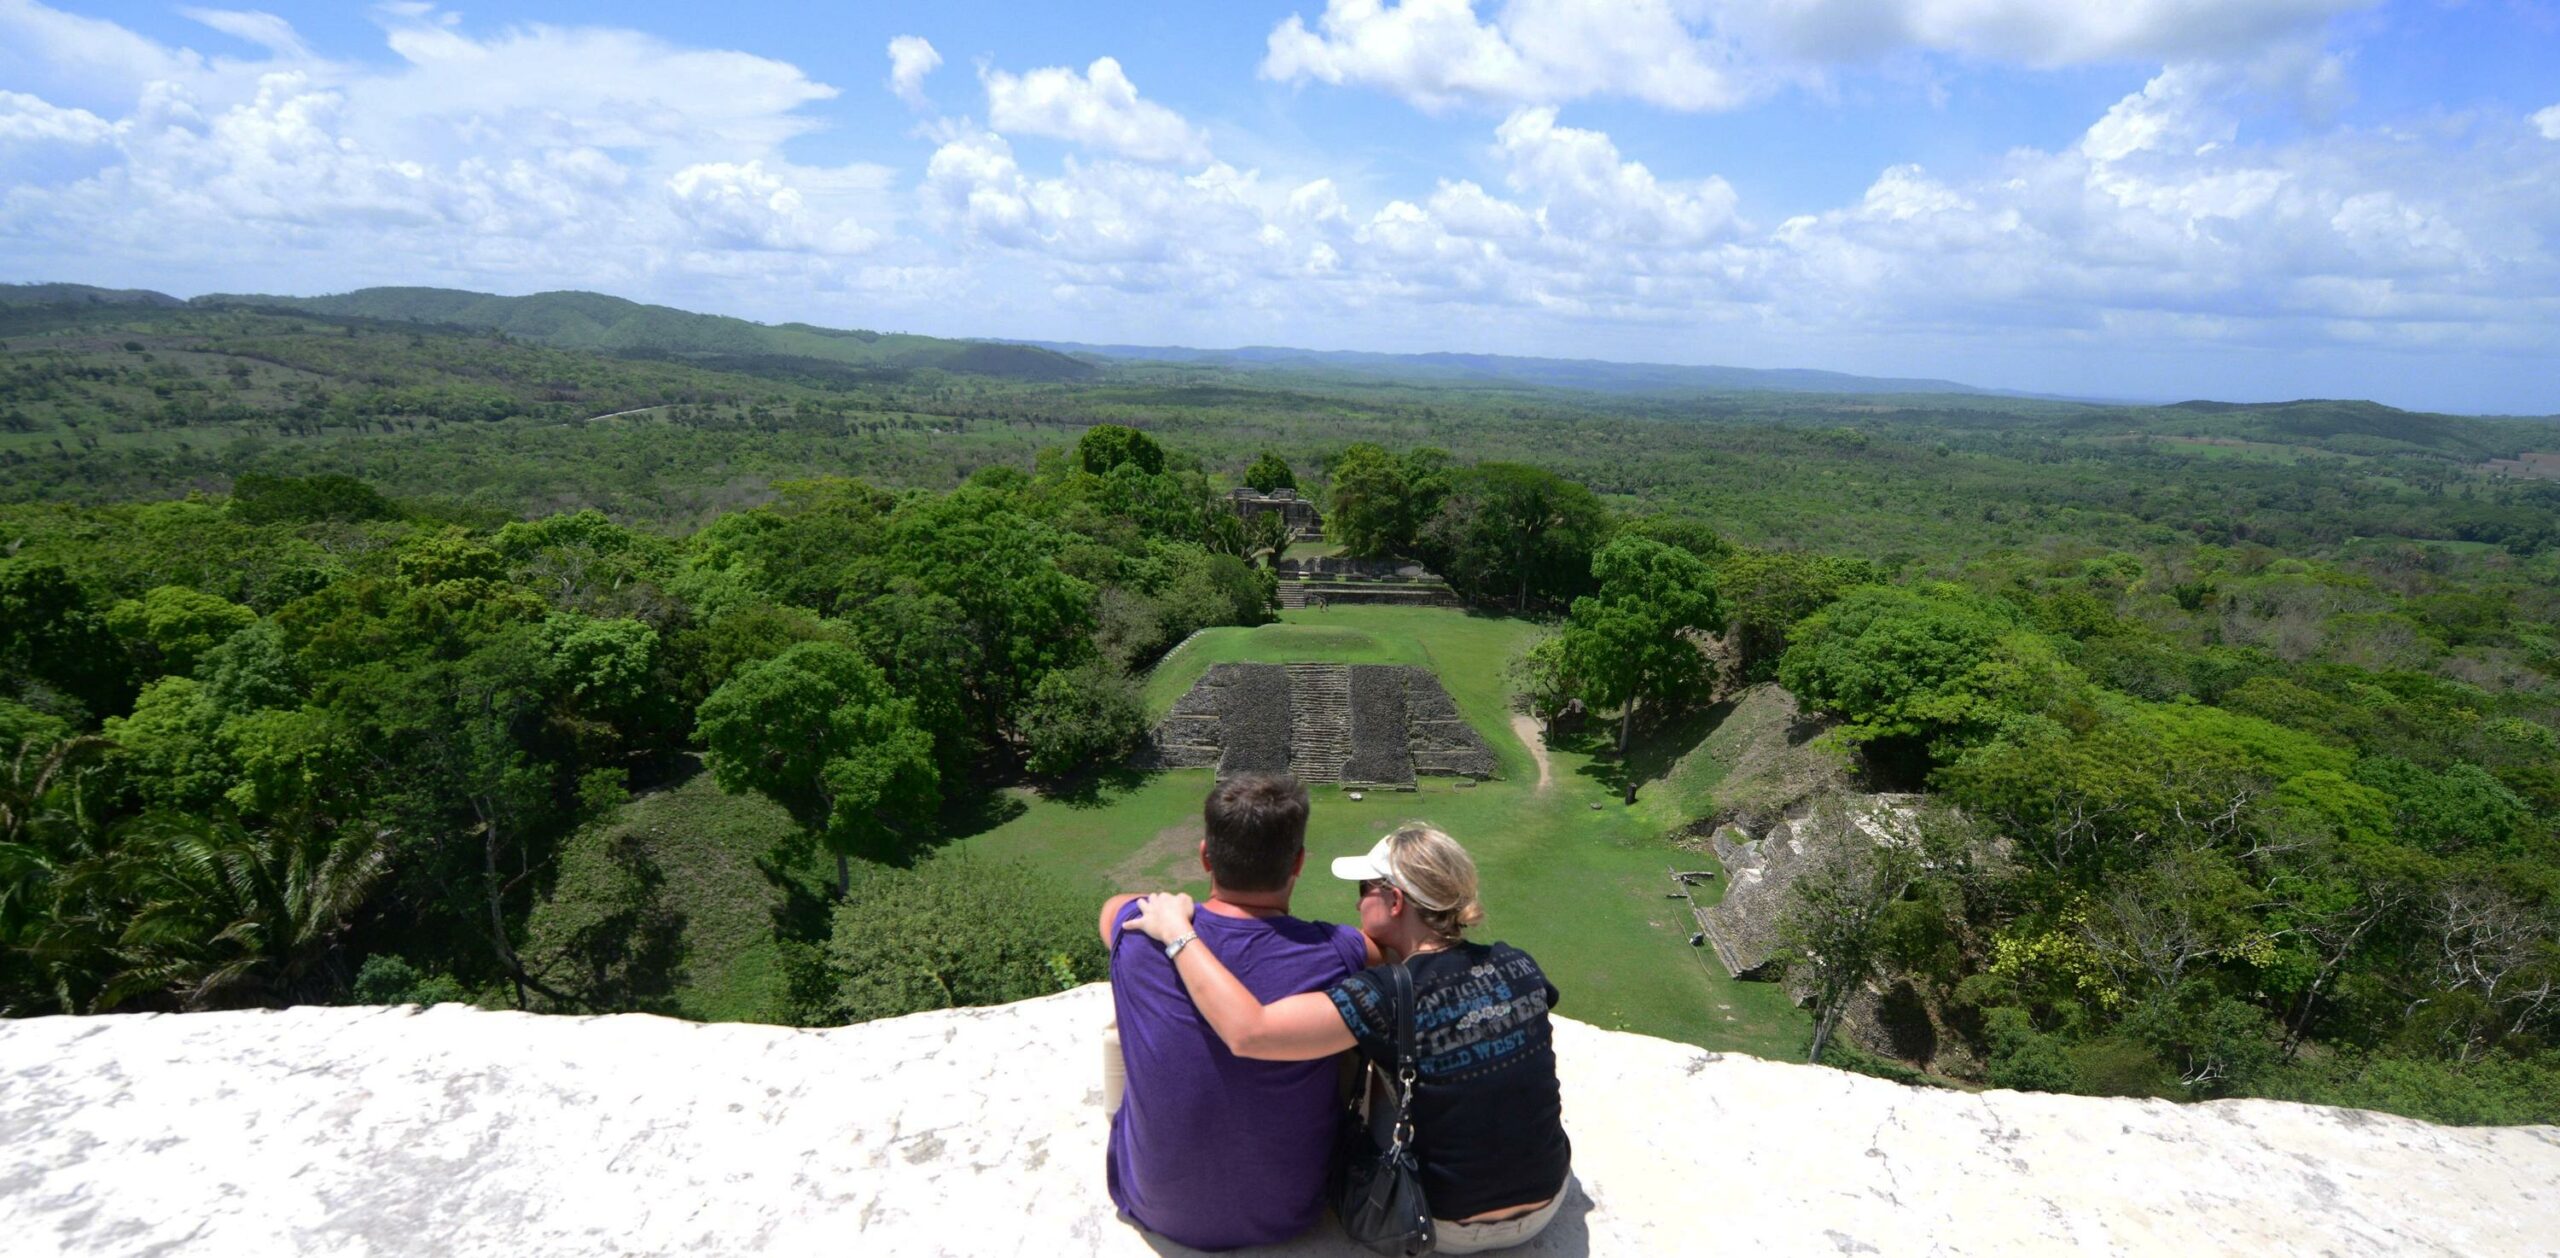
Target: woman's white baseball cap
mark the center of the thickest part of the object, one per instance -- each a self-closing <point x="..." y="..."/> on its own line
<point x="1379" y="862"/>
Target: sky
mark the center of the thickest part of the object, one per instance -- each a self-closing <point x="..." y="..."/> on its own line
<point x="2243" y="200"/>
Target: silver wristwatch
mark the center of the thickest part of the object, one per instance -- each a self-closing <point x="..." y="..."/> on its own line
<point x="1173" y="949"/>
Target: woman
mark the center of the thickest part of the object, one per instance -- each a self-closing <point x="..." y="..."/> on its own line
<point x="1488" y="1125"/>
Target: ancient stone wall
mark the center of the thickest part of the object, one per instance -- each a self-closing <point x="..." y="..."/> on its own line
<point x="1380" y="750"/>
<point x="1361" y="724"/>
<point x="1253" y="720"/>
<point x="1444" y="744"/>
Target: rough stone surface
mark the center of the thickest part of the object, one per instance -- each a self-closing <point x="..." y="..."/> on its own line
<point x="1364" y="724"/>
<point x="1742" y="925"/>
<point x="1443" y="742"/>
<point x="1254" y="720"/>
<point x="396" y="1131"/>
<point x="1380" y="753"/>
<point x="1190" y="735"/>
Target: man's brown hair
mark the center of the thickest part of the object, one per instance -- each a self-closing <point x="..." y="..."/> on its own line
<point x="1257" y="825"/>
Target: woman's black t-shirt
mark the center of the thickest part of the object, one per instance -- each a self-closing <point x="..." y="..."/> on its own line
<point x="1488" y="1121"/>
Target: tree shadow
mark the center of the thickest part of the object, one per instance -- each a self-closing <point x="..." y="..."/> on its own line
<point x="801" y="901"/>
<point x="1096" y="788"/>
<point x="629" y="956"/>
<point x="1652" y="753"/>
<point x="1895" y="763"/>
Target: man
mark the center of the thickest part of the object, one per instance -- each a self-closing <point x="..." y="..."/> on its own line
<point x="1209" y="1149"/>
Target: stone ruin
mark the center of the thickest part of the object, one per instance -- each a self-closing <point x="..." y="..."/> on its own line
<point x="1355" y="724"/>
<point x="1759" y="873"/>
<point x="1305" y="523"/>
<point x="1321" y="580"/>
<point x="1889" y="1015"/>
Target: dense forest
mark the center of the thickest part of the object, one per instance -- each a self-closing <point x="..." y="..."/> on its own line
<point x="322" y="626"/>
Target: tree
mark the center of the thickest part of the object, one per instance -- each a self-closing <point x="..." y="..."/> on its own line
<point x="817" y="730"/>
<point x="179" y="625"/>
<point x="1508" y="528"/>
<point x="1082" y="717"/>
<point x="1268" y="534"/>
<point x="1833" y="922"/>
<point x="952" y="932"/>
<point x="1934" y="667"/>
<point x="1767" y="592"/>
<point x="1018" y="615"/>
<point x="1543" y="682"/>
<point x="1106" y="446"/>
<point x="1633" y="642"/>
<point x="50" y="631"/>
<point x="234" y="916"/>
<point x="257" y="498"/>
<point x="1270" y="472"/>
<point x="1369" y="511"/>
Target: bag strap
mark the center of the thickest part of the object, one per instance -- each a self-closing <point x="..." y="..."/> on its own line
<point x="1405" y="1067"/>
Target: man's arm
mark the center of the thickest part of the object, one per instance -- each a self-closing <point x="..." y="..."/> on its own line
<point x="1111" y="913"/>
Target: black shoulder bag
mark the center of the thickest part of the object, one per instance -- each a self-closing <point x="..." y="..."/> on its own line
<point x="1377" y="1190"/>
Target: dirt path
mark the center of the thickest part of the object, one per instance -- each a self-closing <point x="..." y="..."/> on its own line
<point x="1527" y="729"/>
<point x="637" y="410"/>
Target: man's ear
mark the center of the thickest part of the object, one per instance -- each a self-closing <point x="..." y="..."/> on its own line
<point x="1298" y="866"/>
<point x="1204" y="857"/>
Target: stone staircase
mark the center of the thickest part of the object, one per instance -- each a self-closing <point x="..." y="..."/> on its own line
<point x="1293" y="595"/>
<point x="1319" y="721"/>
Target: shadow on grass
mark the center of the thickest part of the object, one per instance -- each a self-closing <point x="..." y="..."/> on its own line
<point x="1096" y="788"/>
<point x="801" y="903"/>
<point x="972" y="812"/>
<point x="1651" y="755"/>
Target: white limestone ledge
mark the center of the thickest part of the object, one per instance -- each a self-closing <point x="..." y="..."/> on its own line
<point x="449" y="1130"/>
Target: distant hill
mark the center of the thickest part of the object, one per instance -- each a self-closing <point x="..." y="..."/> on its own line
<point x="17" y="295"/>
<point x="1557" y="373"/>
<point x="594" y="321"/>
<point x="2355" y="427"/>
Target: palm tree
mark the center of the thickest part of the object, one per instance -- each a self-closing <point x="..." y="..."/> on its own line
<point x="1268" y="531"/>
<point x="231" y="916"/>
<point x="50" y="851"/>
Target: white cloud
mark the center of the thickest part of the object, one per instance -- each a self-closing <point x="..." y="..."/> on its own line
<point x="2031" y="32"/>
<point x="534" y="156"/>
<point x="1098" y="109"/>
<point x="2162" y="220"/>
<point x="30" y="119"/>
<point x="1437" y="53"/>
<point x="911" y="58"/>
<point x="2169" y="115"/>
<point x="539" y="156"/>
<point x="742" y="205"/>
<point x="266" y="30"/>
<point x="1720" y="54"/>
<point x="1591" y="193"/>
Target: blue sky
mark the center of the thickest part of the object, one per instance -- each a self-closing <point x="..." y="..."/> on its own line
<point x="2239" y="199"/>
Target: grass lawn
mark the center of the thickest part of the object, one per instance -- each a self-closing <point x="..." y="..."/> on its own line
<point x="1581" y="889"/>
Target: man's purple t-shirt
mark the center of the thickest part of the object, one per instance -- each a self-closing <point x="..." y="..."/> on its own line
<point x="1207" y="1148"/>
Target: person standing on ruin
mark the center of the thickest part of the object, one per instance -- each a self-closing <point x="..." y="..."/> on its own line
<point x="1207" y="1148"/>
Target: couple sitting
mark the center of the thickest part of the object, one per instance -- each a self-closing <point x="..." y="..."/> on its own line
<point x="1232" y="1018"/>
